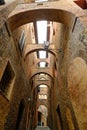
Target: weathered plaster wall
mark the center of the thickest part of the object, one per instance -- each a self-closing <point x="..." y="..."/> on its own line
<point x="20" y="89"/>
<point x="77" y="83"/>
<point x="73" y="71"/>
<point x="77" y="73"/>
<point x="58" y="34"/>
<point x="72" y="68"/>
<point x="29" y="61"/>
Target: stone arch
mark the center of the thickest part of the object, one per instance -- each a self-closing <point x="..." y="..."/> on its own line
<point x="57" y="14"/>
<point x="42" y="72"/>
<point x="42" y="60"/>
<point x="35" y="87"/>
<point x="38" y="49"/>
<point x="44" y="110"/>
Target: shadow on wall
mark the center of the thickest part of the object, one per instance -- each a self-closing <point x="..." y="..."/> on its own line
<point x="20" y="114"/>
<point x="60" y="118"/>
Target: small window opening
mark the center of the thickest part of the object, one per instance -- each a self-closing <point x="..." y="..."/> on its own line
<point x="6" y="83"/>
<point x="22" y="41"/>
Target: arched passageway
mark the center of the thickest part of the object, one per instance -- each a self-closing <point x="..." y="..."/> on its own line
<point x="42" y="115"/>
<point x="46" y="89"/>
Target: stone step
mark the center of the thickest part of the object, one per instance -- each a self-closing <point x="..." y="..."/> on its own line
<point x="42" y="128"/>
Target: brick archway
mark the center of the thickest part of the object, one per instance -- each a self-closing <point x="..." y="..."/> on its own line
<point x="35" y="72"/>
<point x="29" y="48"/>
<point x="49" y="11"/>
<point x="47" y="70"/>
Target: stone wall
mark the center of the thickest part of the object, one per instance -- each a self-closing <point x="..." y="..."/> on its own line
<point x="20" y="87"/>
<point x="77" y="82"/>
<point x="73" y="73"/>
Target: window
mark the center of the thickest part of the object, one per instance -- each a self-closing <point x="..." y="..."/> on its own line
<point x="6" y="83"/>
<point x="22" y="41"/>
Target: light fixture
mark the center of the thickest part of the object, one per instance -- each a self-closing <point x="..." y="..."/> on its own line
<point x="46" y="47"/>
<point x="29" y="99"/>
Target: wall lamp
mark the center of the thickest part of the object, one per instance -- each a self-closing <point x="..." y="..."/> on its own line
<point x="46" y="47"/>
<point x="29" y="99"/>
